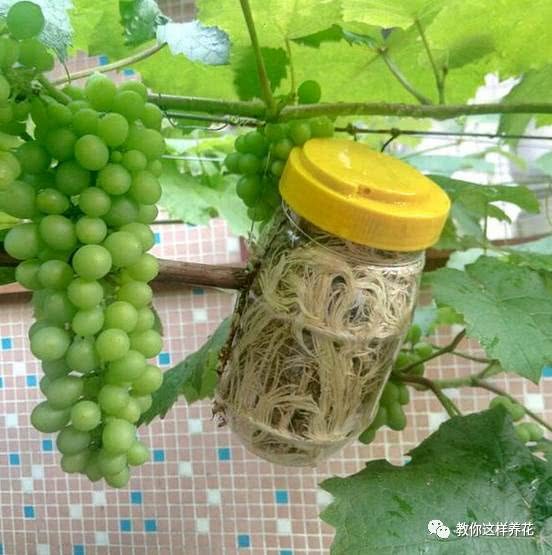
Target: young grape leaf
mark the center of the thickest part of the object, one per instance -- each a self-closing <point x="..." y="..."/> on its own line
<point x="140" y="19"/>
<point x="429" y="317"/>
<point x="7" y="275"/>
<point x="507" y="308"/>
<point x="190" y="376"/>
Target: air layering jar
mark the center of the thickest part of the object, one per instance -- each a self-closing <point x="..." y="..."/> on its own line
<point x="319" y="329"/>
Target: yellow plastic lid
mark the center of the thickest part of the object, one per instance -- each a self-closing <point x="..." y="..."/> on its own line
<point x="351" y="191"/>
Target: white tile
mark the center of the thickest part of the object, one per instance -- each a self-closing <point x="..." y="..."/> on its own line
<point x="199" y="315"/>
<point x="534" y="401"/>
<point x="185" y="468"/>
<point x="323" y="498"/>
<point x="232" y="245"/>
<point x="19" y="368"/>
<point x="75" y="511"/>
<point x="101" y="538"/>
<point x="27" y="485"/>
<point x="213" y="497"/>
<point x="37" y="471"/>
<point x="11" y="420"/>
<point x="42" y="549"/>
<point x="436" y="419"/>
<point x="453" y="392"/>
<point x="195" y="426"/>
<point x="202" y="525"/>
<point x="283" y="526"/>
<point x="98" y="498"/>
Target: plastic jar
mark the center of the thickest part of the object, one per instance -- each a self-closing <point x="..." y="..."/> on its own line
<point x="324" y="318"/>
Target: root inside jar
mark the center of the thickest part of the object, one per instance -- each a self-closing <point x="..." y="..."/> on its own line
<point x="315" y="343"/>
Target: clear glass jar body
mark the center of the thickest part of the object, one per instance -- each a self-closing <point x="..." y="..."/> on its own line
<point x="316" y="337"/>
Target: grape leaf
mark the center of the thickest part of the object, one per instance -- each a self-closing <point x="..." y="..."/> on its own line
<point x="473" y="469"/>
<point x="536" y="255"/>
<point x="7" y="275"/>
<point x="140" y="19"/>
<point x="507" y="308"/>
<point x="189" y="375"/>
<point x="429" y="317"/>
<point x="197" y="42"/>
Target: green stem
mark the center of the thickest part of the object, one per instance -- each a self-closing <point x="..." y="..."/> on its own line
<point x="266" y="90"/>
<point x="291" y="70"/>
<point x="401" y="78"/>
<point x="449" y="406"/>
<point x="123" y="62"/>
<point x="56" y="94"/>
<point x="439" y="79"/>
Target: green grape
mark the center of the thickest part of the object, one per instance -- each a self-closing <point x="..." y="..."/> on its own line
<point x="147" y="214"/>
<point x="517" y="411"/>
<point x="256" y="143"/>
<point x="60" y="143"/>
<point x="19" y="200"/>
<point x="64" y="392"/>
<point x="81" y="355"/>
<point x="112" y="344"/>
<point x="119" y="480"/>
<point x="92" y="386"/>
<point x="282" y="149"/>
<point x="145" y="269"/>
<point x="10" y="169"/>
<point x="44" y="383"/>
<point x="138" y="454"/>
<point x="32" y="53"/>
<point x="271" y="196"/>
<point x="26" y="274"/>
<point x="6" y="114"/>
<point x="58" y="232"/>
<point x="50" y="343"/>
<point x="131" y="412"/>
<point x="118" y="436"/>
<point x="113" y="129"/>
<point x="121" y="315"/>
<point x="380" y="419"/>
<point x="299" y="132"/>
<point x="390" y="394"/>
<point x="275" y="132"/>
<point x="74" y="92"/>
<point x="142" y="232"/>
<point x="71" y="178"/>
<point x="146" y="319"/>
<point x="136" y="293"/>
<point x="114" y="179"/>
<point x="147" y="141"/>
<point x="135" y="86"/>
<point x="85" y="294"/>
<point x="240" y="145"/>
<point x="249" y="164"/>
<point x="55" y="369"/>
<point x="22" y="241"/>
<point x="129" y="104"/>
<point x="112" y="398"/>
<point x="124" y="247"/>
<point x="51" y="201"/>
<point x="309" y="92"/>
<point x="85" y="416"/>
<point x="21" y="110"/>
<point x="92" y="262"/>
<point x="403" y="360"/>
<point x="55" y="274"/>
<point x="232" y="162"/>
<point x="90" y="230"/>
<point x="116" y="156"/>
<point x="260" y="212"/>
<point x="70" y="441"/>
<point x="522" y="433"/>
<point x="404" y="395"/>
<point x="134" y="160"/>
<point x="111" y="464"/>
<point x="123" y="211"/>
<point x="25" y="20"/>
<point x="92" y="469"/>
<point x="277" y="167"/>
<point x="59" y="114"/>
<point x="322" y="127"/>
<point x="423" y="350"/>
<point x="249" y="189"/>
<point x="100" y="92"/>
<point x="94" y="202"/>
<point x="536" y="433"/>
<point x="77" y="105"/>
<point x="33" y="157"/>
<point x="129" y="367"/>
<point x="145" y="188"/>
<point x="149" y="381"/>
<point x="88" y="322"/>
<point x="155" y="167"/>
<point x="73" y="464"/>
<point x="85" y="122"/>
<point x="91" y="152"/>
<point x="148" y="342"/>
<point x="144" y="402"/>
<point x="396" y="418"/>
<point x="414" y="334"/>
<point x="367" y="436"/>
<point x="58" y="307"/>
<point x="152" y="116"/>
<point x="46" y="419"/>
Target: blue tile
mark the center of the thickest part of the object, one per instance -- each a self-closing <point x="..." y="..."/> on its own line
<point x="78" y="550"/>
<point x="164" y="358"/>
<point x="47" y="445"/>
<point x="6" y="343"/>
<point x="244" y="540"/>
<point x="281" y="496"/>
<point x="286" y="552"/>
<point x="127" y="71"/>
<point x="157" y="237"/>
<point x="32" y="381"/>
<point x="1" y="386"/>
<point x="136" y="497"/>
<point x="224" y="454"/>
<point x="158" y="455"/>
<point x="103" y="60"/>
<point x="198" y="291"/>
<point x="150" y="525"/>
<point x="14" y="459"/>
<point x="1" y="549"/>
<point x="28" y="511"/>
<point x="547" y="372"/>
<point x="126" y="525"/>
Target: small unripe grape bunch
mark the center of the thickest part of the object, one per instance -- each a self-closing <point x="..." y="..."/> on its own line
<point x="86" y="191"/>
<point x="260" y="157"/>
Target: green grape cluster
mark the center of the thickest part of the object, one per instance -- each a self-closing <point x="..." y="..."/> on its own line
<point x="259" y="157"/>
<point x="390" y="411"/>
<point x="526" y="431"/>
<point x="85" y="187"/>
<point x="413" y="353"/>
